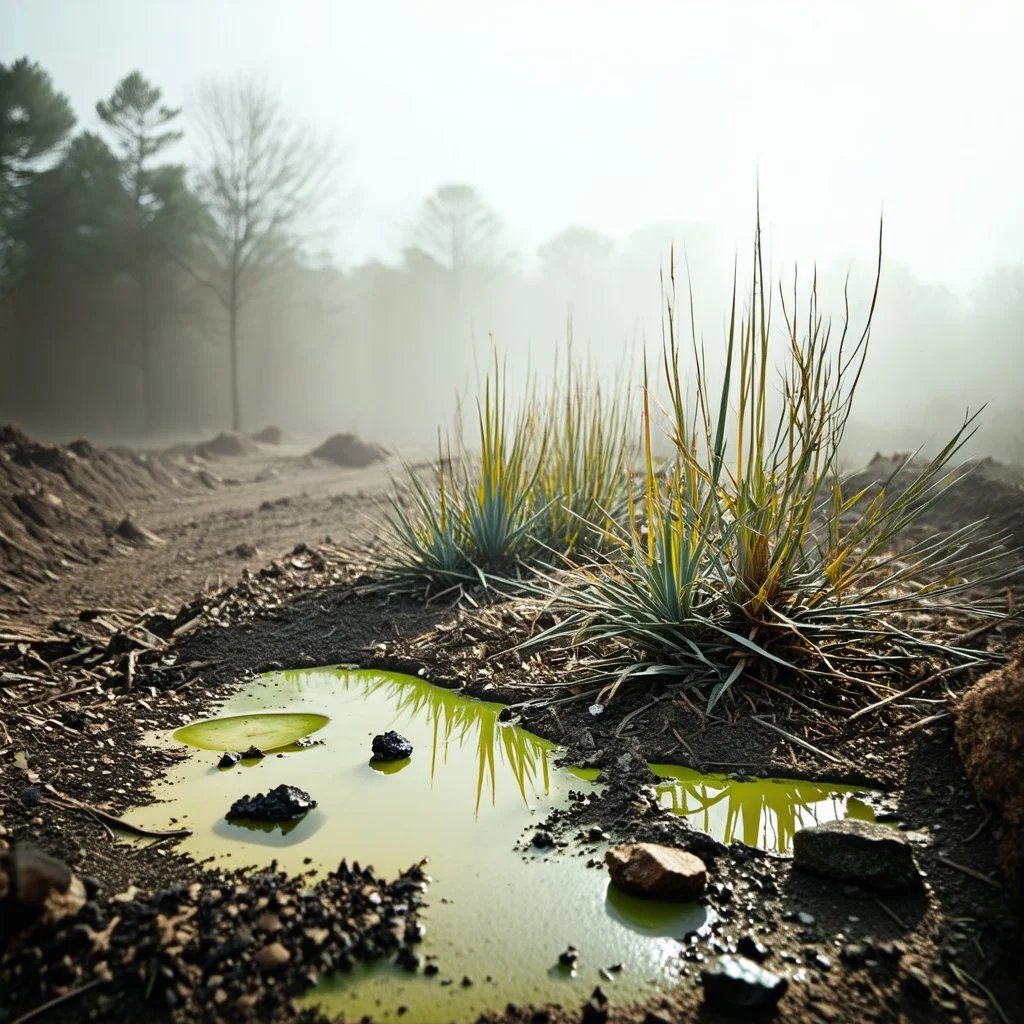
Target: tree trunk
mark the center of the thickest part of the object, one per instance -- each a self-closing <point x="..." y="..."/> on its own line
<point x="236" y="411"/>
<point x="146" y="343"/>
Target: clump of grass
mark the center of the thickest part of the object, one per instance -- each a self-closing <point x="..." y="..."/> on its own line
<point x="470" y="521"/>
<point x="540" y="483"/>
<point x="581" y="483"/>
<point x="746" y="556"/>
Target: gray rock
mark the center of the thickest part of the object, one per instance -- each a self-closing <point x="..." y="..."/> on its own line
<point x="872" y="855"/>
<point x="736" y="984"/>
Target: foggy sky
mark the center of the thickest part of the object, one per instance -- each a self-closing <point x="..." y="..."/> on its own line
<point x="615" y="115"/>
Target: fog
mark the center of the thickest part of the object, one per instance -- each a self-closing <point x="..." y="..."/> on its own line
<point x="488" y="176"/>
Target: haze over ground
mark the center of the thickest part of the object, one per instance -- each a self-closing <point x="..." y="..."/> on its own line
<point x="646" y="122"/>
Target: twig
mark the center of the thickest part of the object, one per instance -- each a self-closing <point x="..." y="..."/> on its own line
<point x="981" y="828"/>
<point x="796" y="739"/>
<point x="963" y="869"/>
<point x="892" y="913"/>
<point x="639" y="711"/>
<point x="963" y="976"/>
<point x="686" y="746"/>
<point x="982" y="630"/>
<point x="57" y="1001"/>
<point x="952" y="670"/>
<point x="111" y="819"/>
<point x="922" y="722"/>
<point x="103" y="824"/>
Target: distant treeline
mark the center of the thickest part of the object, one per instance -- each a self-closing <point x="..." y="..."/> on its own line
<point x="140" y="295"/>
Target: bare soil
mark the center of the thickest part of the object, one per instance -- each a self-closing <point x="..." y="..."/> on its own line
<point x="98" y="649"/>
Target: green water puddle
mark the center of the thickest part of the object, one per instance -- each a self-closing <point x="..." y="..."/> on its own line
<point x="470" y="789"/>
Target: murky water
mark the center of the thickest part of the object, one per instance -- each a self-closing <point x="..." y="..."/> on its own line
<point x="472" y="786"/>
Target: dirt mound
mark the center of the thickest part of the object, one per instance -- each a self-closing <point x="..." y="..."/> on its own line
<point x="990" y="490"/>
<point x="269" y="435"/>
<point x="227" y="443"/>
<point x="348" y="450"/>
<point x="990" y="737"/>
<point x="61" y="506"/>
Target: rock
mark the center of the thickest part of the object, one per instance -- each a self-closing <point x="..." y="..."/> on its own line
<point x="657" y="872"/>
<point x="252" y="754"/>
<point x="272" y="957"/>
<point x="749" y="947"/>
<point x="735" y="984"/>
<point x="854" y="953"/>
<point x="542" y="840"/>
<point x="872" y="855"/>
<point x="595" y="1009"/>
<point x="569" y="956"/>
<point x="283" y="803"/>
<point x="30" y="796"/>
<point x="390" y="746"/>
<point x="35" y="888"/>
<point x="229" y="759"/>
<point x="131" y="533"/>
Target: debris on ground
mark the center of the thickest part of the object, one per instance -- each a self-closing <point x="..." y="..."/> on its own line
<point x="131" y="533"/>
<point x="734" y="984"/>
<point x="862" y="852"/>
<point x="349" y="451"/>
<point x="223" y="947"/>
<point x="657" y="872"/>
<point x="282" y="803"/>
<point x="990" y="737"/>
<point x="35" y="890"/>
<point x="391" y="746"/>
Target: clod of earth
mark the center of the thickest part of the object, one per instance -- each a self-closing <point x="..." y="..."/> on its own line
<point x="229" y="759"/>
<point x="252" y="754"/>
<point x="227" y="443"/>
<point x="735" y="984"/>
<point x="283" y="803"/>
<point x="657" y="872"/>
<point x="390" y="746"/>
<point x="874" y="856"/>
<point x="991" y="743"/>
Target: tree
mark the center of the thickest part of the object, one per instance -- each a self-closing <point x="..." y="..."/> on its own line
<point x="263" y="180"/>
<point x="138" y="124"/>
<point x="576" y="252"/>
<point x="458" y="231"/>
<point x="35" y="121"/>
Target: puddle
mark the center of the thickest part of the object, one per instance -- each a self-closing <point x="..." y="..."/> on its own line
<point x="758" y="812"/>
<point x="471" y="787"/>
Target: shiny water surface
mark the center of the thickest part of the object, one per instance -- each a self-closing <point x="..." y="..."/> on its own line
<point x="471" y="788"/>
<point x="758" y="812"/>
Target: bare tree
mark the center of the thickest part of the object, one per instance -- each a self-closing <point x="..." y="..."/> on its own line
<point x="458" y="230"/>
<point x="264" y="180"/>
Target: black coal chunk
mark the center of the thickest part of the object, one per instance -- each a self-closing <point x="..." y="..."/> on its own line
<point x="735" y="984"/>
<point x="390" y="746"/>
<point x="229" y="759"/>
<point x="283" y="803"/>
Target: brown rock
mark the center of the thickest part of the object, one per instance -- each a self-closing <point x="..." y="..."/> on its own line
<point x="273" y="957"/>
<point x="657" y="872"/>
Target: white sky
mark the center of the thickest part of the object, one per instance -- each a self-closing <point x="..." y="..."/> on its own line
<point x="616" y="115"/>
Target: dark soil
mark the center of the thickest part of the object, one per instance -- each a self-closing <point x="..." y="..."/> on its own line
<point x="78" y="693"/>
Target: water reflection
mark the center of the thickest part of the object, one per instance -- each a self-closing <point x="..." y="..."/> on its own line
<point x="758" y="812"/>
<point x="456" y="723"/>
